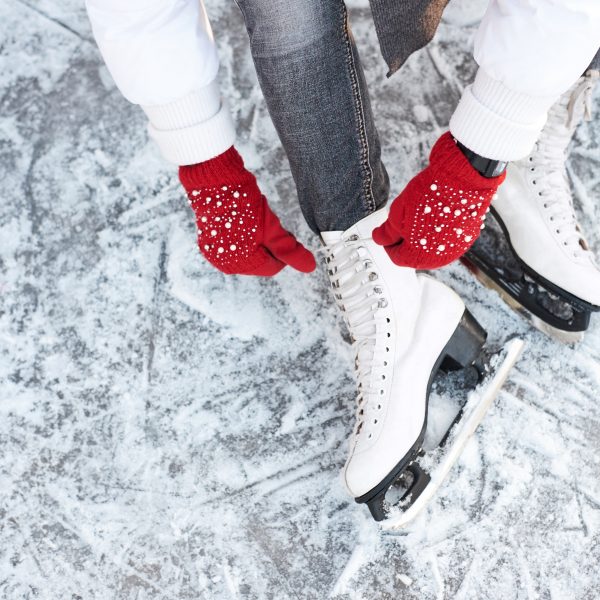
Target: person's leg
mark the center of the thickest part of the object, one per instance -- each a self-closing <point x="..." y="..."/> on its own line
<point x="310" y="74"/>
<point x="402" y="324"/>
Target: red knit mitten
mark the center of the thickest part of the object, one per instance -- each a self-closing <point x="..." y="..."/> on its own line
<point x="237" y="231"/>
<point x="440" y="213"/>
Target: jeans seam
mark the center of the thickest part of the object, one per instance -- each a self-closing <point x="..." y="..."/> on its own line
<point x="360" y="116"/>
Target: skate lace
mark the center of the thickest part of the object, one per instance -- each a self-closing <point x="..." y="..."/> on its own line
<point x="582" y="94"/>
<point x="549" y="156"/>
<point x="359" y="297"/>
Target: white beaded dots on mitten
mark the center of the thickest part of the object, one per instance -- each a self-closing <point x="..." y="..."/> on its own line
<point x="449" y="219"/>
<point x="227" y="223"/>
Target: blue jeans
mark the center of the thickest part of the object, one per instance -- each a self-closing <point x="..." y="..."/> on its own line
<point x="313" y="83"/>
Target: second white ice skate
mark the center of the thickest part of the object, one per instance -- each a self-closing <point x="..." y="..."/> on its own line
<point x="533" y="252"/>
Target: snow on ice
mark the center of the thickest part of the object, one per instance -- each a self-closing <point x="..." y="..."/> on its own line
<point x="169" y="432"/>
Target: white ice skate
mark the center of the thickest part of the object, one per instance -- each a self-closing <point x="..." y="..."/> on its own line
<point x="538" y="259"/>
<point x="404" y="327"/>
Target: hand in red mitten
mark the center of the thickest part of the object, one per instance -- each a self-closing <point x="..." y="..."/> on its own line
<point x="237" y="231"/>
<point x="440" y="213"/>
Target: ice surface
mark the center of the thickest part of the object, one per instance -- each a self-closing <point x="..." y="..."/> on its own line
<point x="169" y="432"/>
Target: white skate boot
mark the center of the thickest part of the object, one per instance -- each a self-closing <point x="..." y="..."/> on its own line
<point x="403" y="327"/>
<point x="544" y="267"/>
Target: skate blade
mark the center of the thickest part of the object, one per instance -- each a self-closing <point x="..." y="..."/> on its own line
<point x="566" y="337"/>
<point x="475" y="409"/>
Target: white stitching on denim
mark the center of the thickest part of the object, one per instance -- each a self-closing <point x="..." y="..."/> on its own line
<point x="360" y="114"/>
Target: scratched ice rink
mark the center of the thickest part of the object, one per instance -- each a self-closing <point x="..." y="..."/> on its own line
<point x="170" y="432"/>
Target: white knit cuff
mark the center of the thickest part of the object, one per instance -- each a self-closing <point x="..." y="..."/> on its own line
<point x="497" y="122"/>
<point x="192" y="129"/>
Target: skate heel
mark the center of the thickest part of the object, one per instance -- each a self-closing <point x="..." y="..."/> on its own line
<point x="464" y="347"/>
<point x="413" y="480"/>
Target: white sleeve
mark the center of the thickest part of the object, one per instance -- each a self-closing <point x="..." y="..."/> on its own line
<point x="161" y="55"/>
<point x="529" y="53"/>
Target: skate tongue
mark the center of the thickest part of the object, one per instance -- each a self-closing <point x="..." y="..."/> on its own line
<point x="365" y="226"/>
<point x="362" y="228"/>
<point x="331" y="237"/>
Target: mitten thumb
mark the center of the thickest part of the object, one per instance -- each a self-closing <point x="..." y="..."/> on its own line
<point x="389" y="232"/>
<point x="283" y="245"/>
